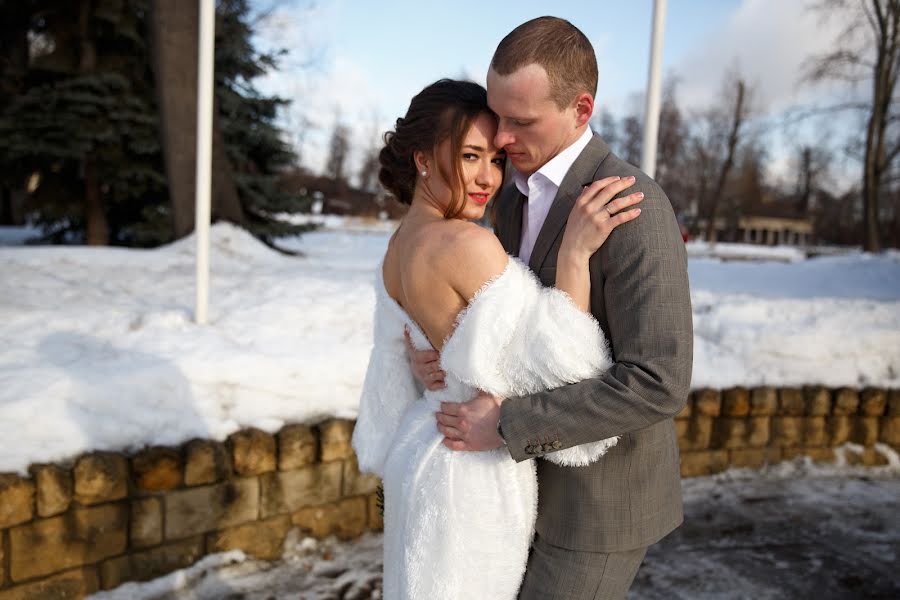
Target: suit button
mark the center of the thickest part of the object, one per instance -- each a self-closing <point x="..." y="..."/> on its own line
<point x="557" y="444"/>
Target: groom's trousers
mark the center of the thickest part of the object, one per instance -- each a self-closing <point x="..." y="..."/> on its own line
<point x="555" y="573"/>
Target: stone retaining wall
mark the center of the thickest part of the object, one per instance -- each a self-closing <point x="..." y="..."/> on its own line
<point x="742" y="427"/>
<point x="107" y="518"/>
<point x="69" y="530"/>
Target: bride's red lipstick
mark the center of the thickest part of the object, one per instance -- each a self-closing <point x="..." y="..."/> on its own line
<point x="479" y="198"/>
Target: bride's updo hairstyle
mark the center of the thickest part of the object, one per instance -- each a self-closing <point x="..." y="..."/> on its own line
<point x="443" y="110"/>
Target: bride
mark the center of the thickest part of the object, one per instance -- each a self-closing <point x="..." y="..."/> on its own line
<point x="459" y="524"/>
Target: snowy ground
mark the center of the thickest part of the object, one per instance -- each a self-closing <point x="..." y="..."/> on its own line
<point x="732" y="252"/>
<point x="99" y="350"/>
<point x="796" y="530"/>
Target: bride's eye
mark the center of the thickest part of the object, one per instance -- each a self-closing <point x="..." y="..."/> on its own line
<point x="470" y="156"/>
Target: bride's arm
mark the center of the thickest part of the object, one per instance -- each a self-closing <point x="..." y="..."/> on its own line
<point x="592" y="219"/>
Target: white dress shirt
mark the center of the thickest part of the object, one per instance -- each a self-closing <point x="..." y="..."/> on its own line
<point x="540" y="189"/>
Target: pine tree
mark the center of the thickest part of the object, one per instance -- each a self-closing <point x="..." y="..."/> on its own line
<point x="256" y="148"/>
<point x="79" y="117"/>
<point x="81" y="124"/>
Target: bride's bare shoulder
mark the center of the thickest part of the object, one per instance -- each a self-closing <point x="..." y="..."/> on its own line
<point x="463" y="241"/>
<point x="468" y="255"/>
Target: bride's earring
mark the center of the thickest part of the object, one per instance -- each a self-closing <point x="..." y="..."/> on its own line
<point x="424" y="173"/>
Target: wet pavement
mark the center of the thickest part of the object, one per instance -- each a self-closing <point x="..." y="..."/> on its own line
<point x="807" y="537"/>
<point x="796" y="530"/>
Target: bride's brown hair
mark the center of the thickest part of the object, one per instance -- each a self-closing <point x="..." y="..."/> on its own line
<point x="443" y="110"/>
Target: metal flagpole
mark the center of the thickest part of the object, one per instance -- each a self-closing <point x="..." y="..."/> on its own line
<point x="204" y="153"/>
<point x="651" y="114"/>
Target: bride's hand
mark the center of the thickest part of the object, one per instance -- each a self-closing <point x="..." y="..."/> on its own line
<point x="595" y="215"/>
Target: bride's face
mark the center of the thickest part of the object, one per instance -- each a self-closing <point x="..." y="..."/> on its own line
<point x="481" y="166"/>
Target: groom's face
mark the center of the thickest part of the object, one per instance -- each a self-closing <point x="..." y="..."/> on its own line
<point x="532" y="128"/>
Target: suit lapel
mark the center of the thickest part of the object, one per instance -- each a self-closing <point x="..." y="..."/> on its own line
<point x="509" y="221"/>
<point x="580" y="174"/>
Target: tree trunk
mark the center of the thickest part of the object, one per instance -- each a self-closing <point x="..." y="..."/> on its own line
<point x="175" y="27"/>
<point x="883" y="20"/>
<point x="6" y="213"/>
<point x="226" y="203"/>
<point x="871" y="185"/>
<point x="701" y="162"/>
<point x="95" y="223"/>
<point x="896" y="229"/>
<point x="13" y="49"/>
<point x="733" y="139"/>
<point x="871" y="174"/>
<point x="885" y="28"/>
<point x="806" y="176"/>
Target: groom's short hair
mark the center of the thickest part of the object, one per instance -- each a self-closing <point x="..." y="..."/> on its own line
<point x="559" y="47"/>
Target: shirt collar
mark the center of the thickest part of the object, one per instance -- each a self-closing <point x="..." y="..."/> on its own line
<point x="556" y="168"/>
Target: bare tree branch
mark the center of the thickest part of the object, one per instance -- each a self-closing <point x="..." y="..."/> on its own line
<point x="822" y="67"/>
<point x="892" y="154"/>
<point x="792" y="118"/>
<point x="850" y="60"/>
<point x="868" y="14"/>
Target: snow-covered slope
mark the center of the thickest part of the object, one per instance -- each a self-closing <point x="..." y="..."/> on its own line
<point x="98" y="349"/>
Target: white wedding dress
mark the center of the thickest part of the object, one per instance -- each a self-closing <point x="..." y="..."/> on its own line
<point x="458" y="525"/>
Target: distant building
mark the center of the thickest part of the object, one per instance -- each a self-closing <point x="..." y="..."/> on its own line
<point x="764" y="230"/>
<point x="766" y="222"/>
<point x="332" y="197"/>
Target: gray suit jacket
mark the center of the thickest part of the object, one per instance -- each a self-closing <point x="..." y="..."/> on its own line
<point x="631" y="497"/>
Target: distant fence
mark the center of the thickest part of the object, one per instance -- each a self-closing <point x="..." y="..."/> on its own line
<point x="71" y="529"/>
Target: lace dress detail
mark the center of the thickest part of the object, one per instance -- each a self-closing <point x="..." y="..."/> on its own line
<point x="459" y="524"/>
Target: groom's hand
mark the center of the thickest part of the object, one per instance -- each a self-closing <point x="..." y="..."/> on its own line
<point x="471" y="425"/>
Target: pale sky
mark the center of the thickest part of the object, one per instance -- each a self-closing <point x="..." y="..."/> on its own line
<point x="371" y="57"/>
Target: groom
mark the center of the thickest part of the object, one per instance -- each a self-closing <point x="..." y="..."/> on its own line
<point x="595" y="522"/>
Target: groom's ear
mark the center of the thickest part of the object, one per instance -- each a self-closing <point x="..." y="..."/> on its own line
<point x="584" y="108"/>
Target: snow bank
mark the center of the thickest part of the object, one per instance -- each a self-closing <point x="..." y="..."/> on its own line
<point x="832" y="321"/>
<point x="99" y="351"/>
<point x="339" y="222"/>
<point x="701" y="249"/>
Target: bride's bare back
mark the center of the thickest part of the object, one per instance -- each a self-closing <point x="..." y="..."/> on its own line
<point x="432" y="269"/>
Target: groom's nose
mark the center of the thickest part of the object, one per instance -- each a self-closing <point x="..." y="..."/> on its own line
<point x="504" y="137"/>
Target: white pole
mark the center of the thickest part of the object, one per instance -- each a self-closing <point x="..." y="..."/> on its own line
<point x="204" y="154"/>
<point x="651" y="114"/>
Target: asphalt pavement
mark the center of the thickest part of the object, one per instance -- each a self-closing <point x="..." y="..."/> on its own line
<point x="804" y="537"/>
